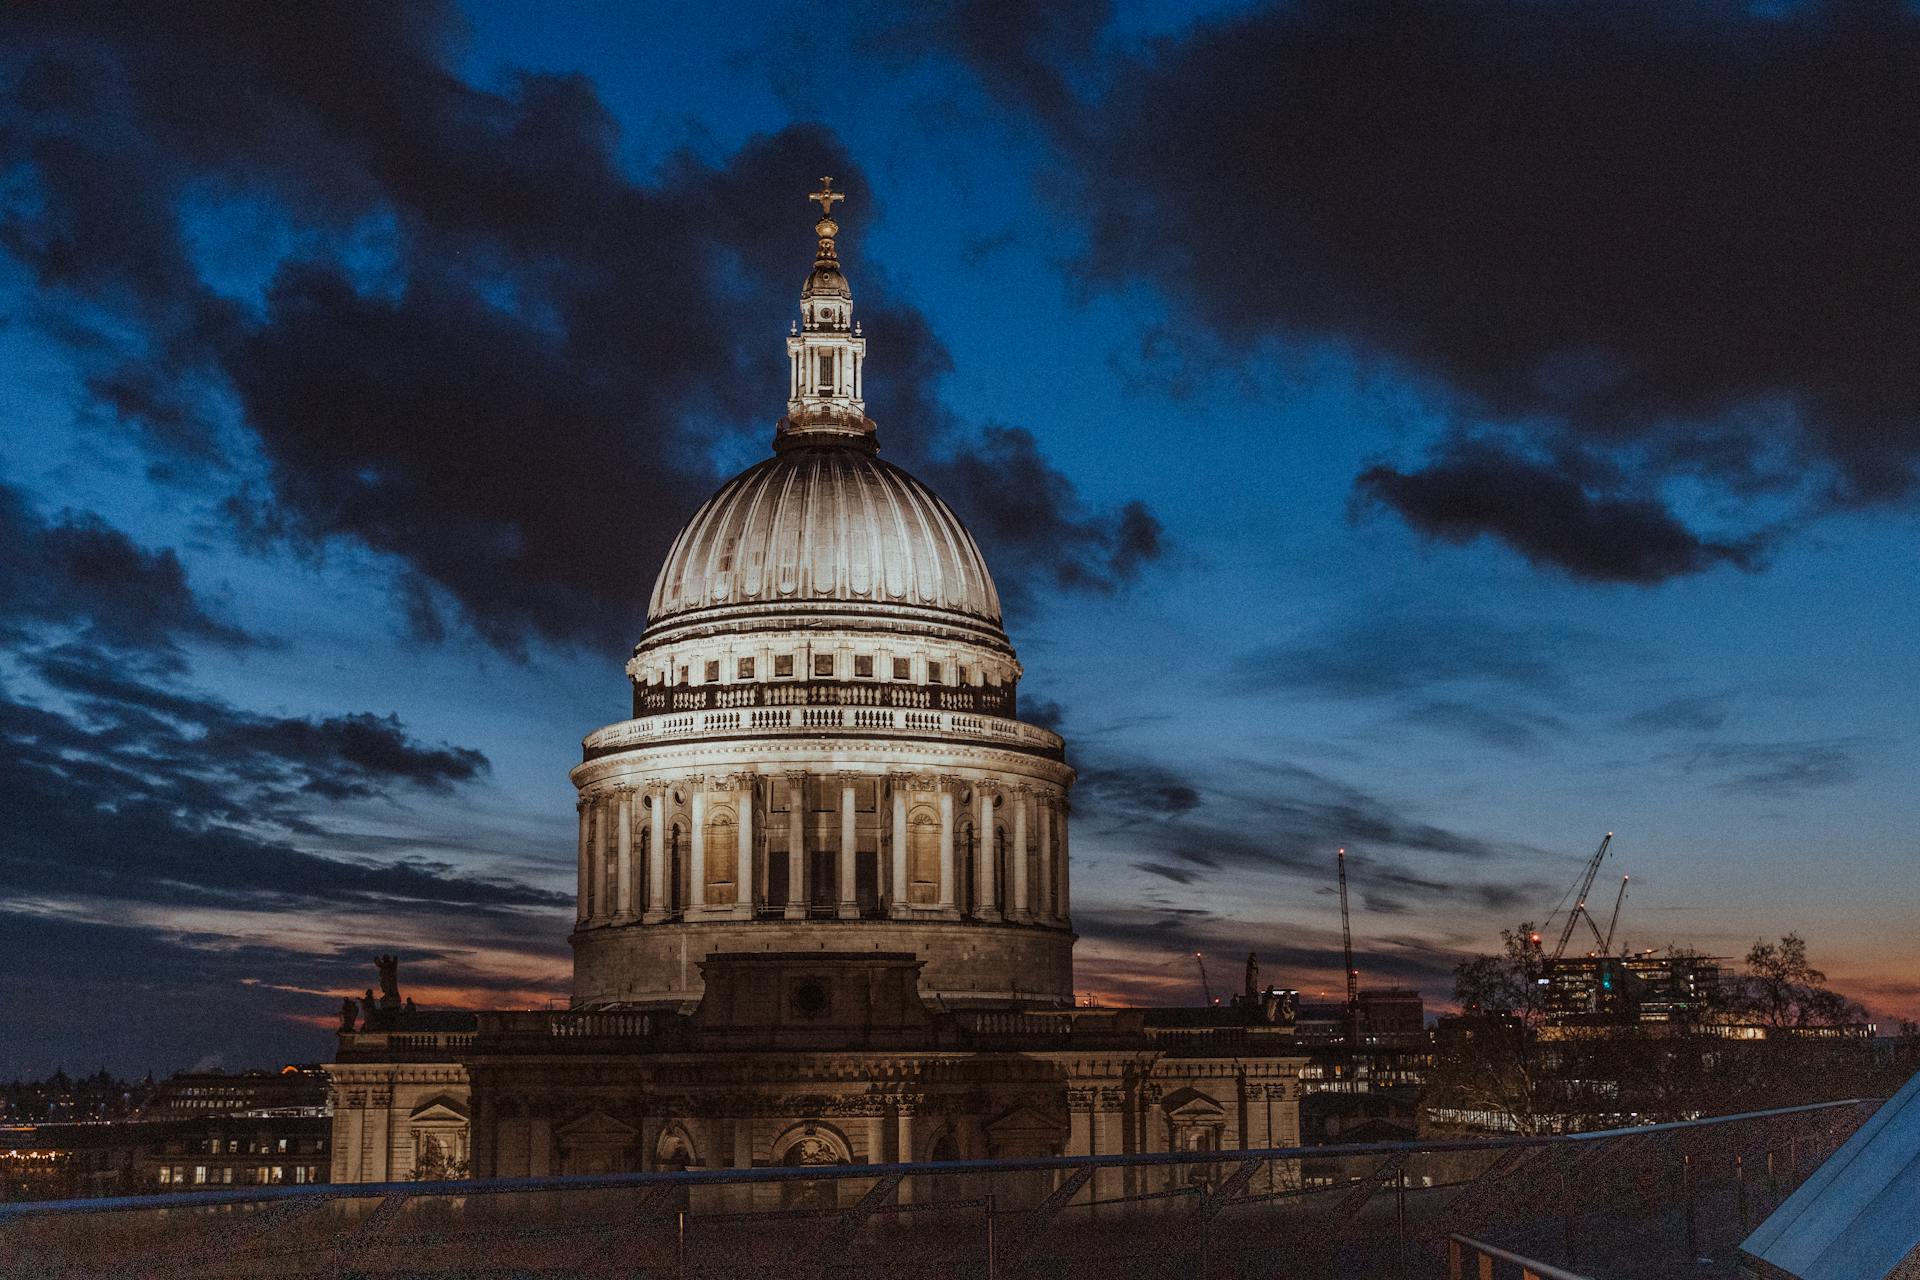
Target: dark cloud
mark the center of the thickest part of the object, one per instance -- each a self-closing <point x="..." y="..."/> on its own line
<point x="1286" y="821"/>
<point x="76" y="570"/>
<point x="1696" y="713"/>
<point x="1546" y="514"/>
<point x="1429" y="969"/>
<point x="144" y="793"/>
<point x="1140" y="790"/>
<point x="1777" y="769"/>
<point x="174" y="996"/>
<point x="486" y="350"/>
<point x="1505" y="728"/>
<point x="1021" y="503"/>
<point x="1682" y="236"/>
<point x="1045" y="712"/>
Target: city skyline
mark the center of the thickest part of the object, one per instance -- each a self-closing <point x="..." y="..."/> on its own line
<point x="348" y="431"/>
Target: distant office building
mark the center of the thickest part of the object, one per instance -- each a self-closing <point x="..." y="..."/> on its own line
<point x="292" y="1090"/>
<point x="1645" y="988"/>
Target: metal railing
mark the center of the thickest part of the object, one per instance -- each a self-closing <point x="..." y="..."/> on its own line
<point x="1645" y="1201"/>
<point x="1484" y="1256"/>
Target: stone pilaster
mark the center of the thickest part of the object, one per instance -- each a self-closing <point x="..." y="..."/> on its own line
<point x="985" y="856"/>
<point x="797" y="887"/>
<point x="697" y="894"/>
<point x="1022" y="796"/>
<point x="901" y="879"/>
<point x="849" y="897"/>
<point x="656" y="851"/>
<point x="623" y="854"/>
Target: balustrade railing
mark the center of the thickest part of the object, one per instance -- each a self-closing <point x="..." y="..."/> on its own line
<point x="660" y="699"/>
<point x="774" y="721"/>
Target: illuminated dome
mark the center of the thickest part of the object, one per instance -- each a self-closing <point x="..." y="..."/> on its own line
<point x="825" y="753"/>
<point x="825" y="523"/>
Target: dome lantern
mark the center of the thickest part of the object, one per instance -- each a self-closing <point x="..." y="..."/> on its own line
<point x="826" y="358"/>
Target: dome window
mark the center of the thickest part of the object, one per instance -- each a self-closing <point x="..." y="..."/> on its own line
<point x="903" y="668"/>
<point x="783" y="664"/>
<point x="746" y="668"/>
<point x="933" y="671"/>
<point x="823" y="664"/>
<point x="863" y="666"/>
<point x="713" y="671"/>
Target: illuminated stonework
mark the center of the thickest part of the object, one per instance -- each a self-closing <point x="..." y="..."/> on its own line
<point x="825" y="750"/>
<point x="823" y="880"/>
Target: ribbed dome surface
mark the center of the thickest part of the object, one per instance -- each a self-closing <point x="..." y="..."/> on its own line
<point x="824" y="524"/>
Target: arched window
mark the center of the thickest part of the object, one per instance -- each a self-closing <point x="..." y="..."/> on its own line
<point x="969" y="848"/>
<point x="642" y="853"/>
<point x="675" y="890"/>
<point x="923" y="856"/>
<point x="1002" y="866"/>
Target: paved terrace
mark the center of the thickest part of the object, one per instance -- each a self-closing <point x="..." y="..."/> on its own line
<point x="1626" y="1204"/>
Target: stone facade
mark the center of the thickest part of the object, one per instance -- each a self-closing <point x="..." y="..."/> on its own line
<point x="822" y="1057"/>
<point x="823" y="873"/>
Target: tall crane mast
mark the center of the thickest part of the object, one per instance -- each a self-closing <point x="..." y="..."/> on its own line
<point x="1205" y="986"/>
<point x="1606" y="948"/>
<point x="1346" y="946"/>
<point x="1580" y="905"/>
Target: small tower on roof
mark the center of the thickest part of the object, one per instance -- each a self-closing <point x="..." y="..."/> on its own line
<point x="826" y="359"/>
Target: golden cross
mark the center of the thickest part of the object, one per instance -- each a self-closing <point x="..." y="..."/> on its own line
<point x="826" y="195"/>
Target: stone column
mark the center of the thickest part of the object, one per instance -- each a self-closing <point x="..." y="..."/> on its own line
<point x="849" y="899"/>
<point x="1066" y="863"/>
<point x="586" y="833"/>
<point x="796" y="846"/>
<point x="1043" y="858"/>
<point x="656" y="852"/>
<point x="623" y="852"/>
<point x="900" y="881"/>
<point x="985" y="861"/>
<point x="1017" y="858"/>
<point x="600" y="911"/>
<point x="697" y="888"/>
<point x="946" y="844"/>
<point x="746" y="877"/>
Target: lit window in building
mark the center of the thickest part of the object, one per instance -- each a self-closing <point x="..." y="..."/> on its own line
<point x="863" y="665"/>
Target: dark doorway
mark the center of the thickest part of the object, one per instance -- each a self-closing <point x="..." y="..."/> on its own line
<point x="866" y="881"/>
<point x="823" y="886"/>
<point x="777" y="880"/>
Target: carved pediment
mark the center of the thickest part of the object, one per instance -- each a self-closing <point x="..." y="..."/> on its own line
<point x="596" y="1125"/>
<point x="1023" y="1121"/>
<point x="440" y="1109"/>
<point x="1191" y="1104"/>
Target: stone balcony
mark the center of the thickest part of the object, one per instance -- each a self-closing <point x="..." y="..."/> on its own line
<point x="811" y="721"/>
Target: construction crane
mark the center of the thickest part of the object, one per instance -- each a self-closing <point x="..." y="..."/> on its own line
<point x="1580" y="903"/>
<point x="1346" y="946"/>
<point x="1606" y="948"/>
<point x="1205" y="986"/>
